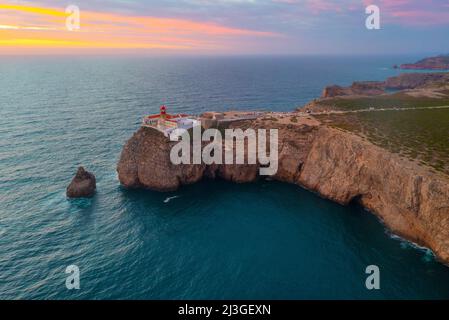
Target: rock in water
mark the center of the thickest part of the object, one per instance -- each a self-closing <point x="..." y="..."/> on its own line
<point x="83" y="185"/>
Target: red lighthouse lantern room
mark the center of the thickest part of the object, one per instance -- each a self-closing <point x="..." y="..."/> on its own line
<point x="163" y="110"/>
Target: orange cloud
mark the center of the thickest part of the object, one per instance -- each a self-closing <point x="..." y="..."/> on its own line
<point x="28" y="28"/>
<point x="37" y="10"/>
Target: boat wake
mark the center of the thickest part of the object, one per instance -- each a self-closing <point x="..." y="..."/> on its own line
<point x="168" y="199"/>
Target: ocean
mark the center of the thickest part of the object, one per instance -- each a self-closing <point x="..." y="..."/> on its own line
<point x="211" y="240"/>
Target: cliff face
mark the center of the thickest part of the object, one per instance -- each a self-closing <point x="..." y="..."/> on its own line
<point x="400" y="82"/>
<point x="416" y="80"/>
<point x="411" y="200"/>
<point x="145" y="162"/>
<point x="357" y="88"/>
<point x="432" y="63"/>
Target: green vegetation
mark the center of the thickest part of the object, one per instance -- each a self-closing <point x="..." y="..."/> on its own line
<point x="417" y="134"/>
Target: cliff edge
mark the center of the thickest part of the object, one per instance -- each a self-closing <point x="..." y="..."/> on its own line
<point x="412" y="200"/>
<point x="400" y="82"/>
<point x="432" y="63"/>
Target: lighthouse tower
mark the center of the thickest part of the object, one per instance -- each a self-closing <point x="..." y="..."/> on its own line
<point x="163" y="113"/>
<point x="167" y="123"/>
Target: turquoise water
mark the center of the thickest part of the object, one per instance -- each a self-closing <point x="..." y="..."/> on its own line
<point x="212" y="240"/>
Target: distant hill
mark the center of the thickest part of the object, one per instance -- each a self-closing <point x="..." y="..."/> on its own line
<point x="432" y="63"/>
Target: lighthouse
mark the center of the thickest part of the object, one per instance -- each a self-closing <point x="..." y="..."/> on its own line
<point x="168" y="123"/>
<point x="163" y="112"/>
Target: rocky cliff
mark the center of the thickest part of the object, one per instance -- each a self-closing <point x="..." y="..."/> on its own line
<point x="413" y="201"/>
<point x="400" y="82"/>
<point x="357" y="88"/>
<point x="432" y="63"/>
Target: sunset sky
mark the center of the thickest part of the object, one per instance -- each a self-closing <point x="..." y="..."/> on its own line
<point x="224" y="27"/>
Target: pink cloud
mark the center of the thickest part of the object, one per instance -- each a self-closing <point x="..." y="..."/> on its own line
<point x="318" y="6"/>
<point x="418" y="17"/>
<point x="400" y="12"/>
<point x="413" y="12"/>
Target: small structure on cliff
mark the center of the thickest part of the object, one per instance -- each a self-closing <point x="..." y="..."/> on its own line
<point x="169" y="123"/>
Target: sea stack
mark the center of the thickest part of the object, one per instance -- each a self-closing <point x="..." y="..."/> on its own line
<point x="83" y="185"/>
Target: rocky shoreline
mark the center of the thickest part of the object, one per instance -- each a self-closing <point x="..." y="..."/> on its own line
<point x="412" y="200"/>
<point x="432" y="63"/>
<point x="402" y="82"/>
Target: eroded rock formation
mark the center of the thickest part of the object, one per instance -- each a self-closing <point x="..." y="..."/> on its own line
<point x="400" y="82"/>
<point x="83" y="185"/>
<point x="432" y="63"/>
<point x="357" y="88"/>
<point x="413" y="201"/>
